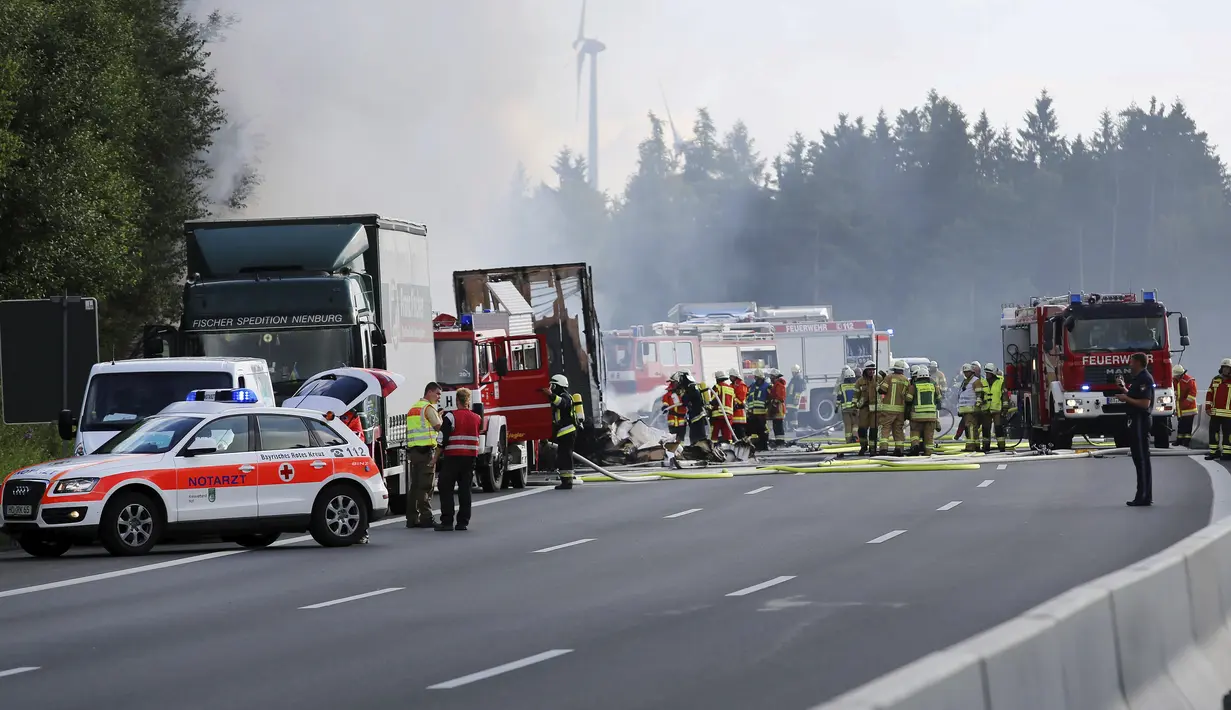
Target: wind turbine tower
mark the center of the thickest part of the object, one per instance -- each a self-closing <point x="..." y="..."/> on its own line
<point x="589" y="46"/>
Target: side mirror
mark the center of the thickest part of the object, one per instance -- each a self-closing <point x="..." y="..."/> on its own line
<point x="1185" y="341"/>
<point x="200" y="445"/>
<point x="502" y="366"/>
<point x="67" y="425"/>
<point x="1183" y="328"/>
<point x="378" y="337"/>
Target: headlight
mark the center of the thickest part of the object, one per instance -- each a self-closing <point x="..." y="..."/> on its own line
<point x="1070" y="403"/>
<point x="75" y="485"/>
<point x="1167" y="399"/>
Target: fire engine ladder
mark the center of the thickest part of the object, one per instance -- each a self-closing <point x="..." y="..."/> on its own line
<point x="521" y="315"/>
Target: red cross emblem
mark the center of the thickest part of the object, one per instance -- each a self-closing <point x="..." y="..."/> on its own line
<point x="286" y="472"/>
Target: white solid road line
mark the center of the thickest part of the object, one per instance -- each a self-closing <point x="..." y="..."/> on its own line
<point x="950" y="505"/>
<point x="886" y="536"/>
<point x="682" y="513"/>
<point x="758" y="490"/>
<point x="1001" y="467"/>
<point x="758" y="587"/>
<point x="15" y="671"/>
<point x="343" y="600"/>
<point x="553" y="548"/>
<point x="986" y="483"/>
<point x="490" y="672"/>
<point x="215" y="555"/>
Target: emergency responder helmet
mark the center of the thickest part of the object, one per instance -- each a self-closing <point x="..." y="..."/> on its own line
<point x="719" y="375"/>
<point x="933" y="365"/>
<point x="914" y="370"/>
<point x="1178" y="370"/>
<point x="967" y="368"/>
<point x="559" y="381"/>
<point x="869" y="365"/>
<point x="796" y="369"/>
<point x="923" y="372"/>
<point x="758" y="373"/>
<point x="848" y="373"/>
<point x="899" y="365"/>
<point x="1226" y="362"/>
<point x="989" y="367"/>
<point x="734" y="373"/>
<point x="975" y="366"/>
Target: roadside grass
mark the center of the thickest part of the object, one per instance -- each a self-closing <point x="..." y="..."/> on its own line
<point x="24" y="445"/>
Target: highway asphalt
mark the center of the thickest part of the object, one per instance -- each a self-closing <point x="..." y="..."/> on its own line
<point x="764" y="591"/>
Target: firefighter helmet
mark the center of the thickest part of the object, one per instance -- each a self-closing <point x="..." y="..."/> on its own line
<point x="796" y="369"/>
<point x="899" y="365"/>
<point x="734" y="374"/>
<point x="975" y="366"/>
<point x="1226" y="362"/>
<point x="990" y="367"/>
<point x="869" y="365"/>
<point x="848" y="373"/>
<point x="758" y="373"/>
<point x="914" y="371"/>
<point x="967" y="368"/>
<point x="1178" y="370"/>
<point x="924" y="373"/>
<point x="559" y="381"/>
<point x="933" y="365"/>
<point x="719" y="375"/>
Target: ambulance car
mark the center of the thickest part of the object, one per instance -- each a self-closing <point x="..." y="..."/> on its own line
<point x="220" y="463"/>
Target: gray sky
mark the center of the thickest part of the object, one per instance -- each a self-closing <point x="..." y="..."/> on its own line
<point x="421" y="108"/>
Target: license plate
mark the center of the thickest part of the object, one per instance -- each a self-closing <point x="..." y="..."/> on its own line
<point x="1111" y="400"/>
<point x="10" y="510"/>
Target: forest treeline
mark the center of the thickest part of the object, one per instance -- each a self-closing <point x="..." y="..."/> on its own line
<point x="926" y="221"/>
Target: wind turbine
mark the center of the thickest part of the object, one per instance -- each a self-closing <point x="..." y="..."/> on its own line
<point x="587" y="45"/>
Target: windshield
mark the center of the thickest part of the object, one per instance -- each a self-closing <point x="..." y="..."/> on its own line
<point x="156" y="435"/>
<point x="115" y="400"/>
<point x="619" y="353"/>
<point x="455" y="362"/>
<point x="293" y="355"/>
<point x="1106" y="335"/>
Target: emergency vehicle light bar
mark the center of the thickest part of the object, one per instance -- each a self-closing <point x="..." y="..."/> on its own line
<point x="238" y="396"/>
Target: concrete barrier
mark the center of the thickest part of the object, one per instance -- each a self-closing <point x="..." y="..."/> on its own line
<point x="1153" y="636"/>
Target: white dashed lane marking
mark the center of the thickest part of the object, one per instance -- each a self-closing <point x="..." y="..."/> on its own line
<point x="682" y="513"/>
<point x="950" y="505"/>
<point x="1002" y="466"/>
<point x="986" y="483"/>
<point x="498" y="670"/>
<point x="887" y="536"/>
<point x="758" y="490"/>
<point x="16" y="671"/>
<point x="356" y="597"/>
<point x="553" y="548"/>
<point x="763" y="585"/>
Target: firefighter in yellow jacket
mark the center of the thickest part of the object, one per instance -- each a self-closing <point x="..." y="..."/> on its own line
<point x="848" y="400"/>
<point x="996" y="408"/>
<point x="892" y="412"/>
<point x="922" y="406"/>
<point x="969" y="404"/>
<point x="866" y="400"/>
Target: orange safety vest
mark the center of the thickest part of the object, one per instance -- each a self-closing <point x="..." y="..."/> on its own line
<point x="1218" y="397"/>
<point x="1186" y="394"/>
<point x="677" y="413"/>
<point x="740" y="415"/>
<point x="463" y="440"/>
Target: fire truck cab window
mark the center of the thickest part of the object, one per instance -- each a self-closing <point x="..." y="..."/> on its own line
<point x="525" y="355"/>
<point x="666" y="354"/>
<point x="859" y="349"/>
<point x="683" y="352"/>
<point x="649" y="352"/>
<point x="1117" y="334"/>
<point x="618" y="352"/>
<point x="455" y="364"/>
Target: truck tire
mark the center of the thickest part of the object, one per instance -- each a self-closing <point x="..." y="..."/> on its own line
<point x="491" y="471"/>
<point x="825" y="412"/>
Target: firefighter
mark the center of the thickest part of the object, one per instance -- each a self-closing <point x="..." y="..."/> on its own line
<point x="564" y="421"/>
<point x="721" y="408"/>
<point x="795" y="390"/>
<point x="675" y="411"/>
<point x="1218" y="409"/>
<point x="893" y="407"/>
<point x="921" y="400"/>
<point x="757" y="404"/>
<point x="693" y="398"/>
<point x="866" y="401"/>
<point x="848" y="394"/>
<point x="739" y="418"/>
<point x="969" y="397"/>
<point x="1186" y="405"/>
<point x="938" y="379"/>
<point x="996" y="409"/>
<point x="777" y="405"/>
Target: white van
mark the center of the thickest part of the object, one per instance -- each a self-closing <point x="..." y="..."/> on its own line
<point x="120" y="392"/>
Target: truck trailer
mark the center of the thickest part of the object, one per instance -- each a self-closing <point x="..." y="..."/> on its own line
<point x="309" y="294"/>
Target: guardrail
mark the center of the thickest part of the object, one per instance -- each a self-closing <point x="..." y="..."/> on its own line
<point x="1156" y="634"/>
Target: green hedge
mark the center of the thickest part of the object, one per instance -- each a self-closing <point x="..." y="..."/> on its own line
<point x="25" y="445"/>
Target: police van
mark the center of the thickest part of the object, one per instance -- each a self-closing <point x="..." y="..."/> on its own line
<point x="220" y="463"/>
<point x="119" y="393"/>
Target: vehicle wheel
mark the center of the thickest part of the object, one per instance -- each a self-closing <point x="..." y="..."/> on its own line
<point x="826" y="411"/>
<point x="130" y="524"/>
<point x="42" y="547"/>
<point x="257" y="540"/>
<point x="339" y="517"/>
<point x="491" y="476"/>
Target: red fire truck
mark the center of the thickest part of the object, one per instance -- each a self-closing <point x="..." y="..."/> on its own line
<point x="506" y="372"/>
<point x="1062" y="356"/>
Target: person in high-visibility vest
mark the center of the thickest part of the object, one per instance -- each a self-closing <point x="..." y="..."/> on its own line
<point x="866" y="400"/>
<point x="969" y="397"/>
<point x="758" y="409"/>
<point x="676" y="412"/>
<point x="892" y="411"/>
<point x="1218" y="409"/>
<point x="995" y="401"/>
<point x="462" y="431"/>
<point x="739" y="416"/>
<point x="777" y="405"/>
<point x="564" y="422"/>
<point x="847" y="400"/>
<point x="1186" y="405"/>
<point x="422" y="423"/>
<point x="921" y="403"/>
<point x="721" y="408"/>
<point x="795" y="390"/>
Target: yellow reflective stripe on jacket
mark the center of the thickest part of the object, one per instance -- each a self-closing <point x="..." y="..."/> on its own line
<point x="924" y="406"/>
<point x="995" y="395"/>
<point x="419" y="434"/>
<point x="849" y="392"/>
<point x="564" y="428"/>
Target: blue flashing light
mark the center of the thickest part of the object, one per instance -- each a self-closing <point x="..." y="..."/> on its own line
<point x="1085" y="388"/>
<point x="1074" y="298"/>
<point x="1147" y="296"/>
<point x="467" y="322"/>
<point x="243" y="396"/>
<point x="237" y="396"/>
